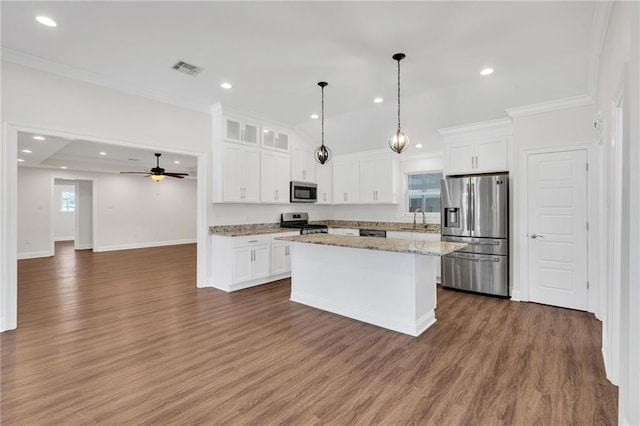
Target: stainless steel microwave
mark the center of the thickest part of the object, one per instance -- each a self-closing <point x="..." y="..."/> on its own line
<point x="303" y="192"/>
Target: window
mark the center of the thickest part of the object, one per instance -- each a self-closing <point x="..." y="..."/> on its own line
<point x="423" y="192"/>
<point x="68" y="202"/>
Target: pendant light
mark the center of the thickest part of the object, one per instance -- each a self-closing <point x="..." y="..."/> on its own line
<point x="322" y="153"/>
<point x="399" y="142"/>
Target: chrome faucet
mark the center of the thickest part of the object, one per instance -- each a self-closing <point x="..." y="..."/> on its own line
<point x="414" y="217"/>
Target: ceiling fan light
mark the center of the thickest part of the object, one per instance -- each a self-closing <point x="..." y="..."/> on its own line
<point x="399" y="142"/>
<point x="157" y="178"/>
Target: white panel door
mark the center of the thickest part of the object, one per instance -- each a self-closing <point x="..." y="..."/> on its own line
<point x="557" y="228"/>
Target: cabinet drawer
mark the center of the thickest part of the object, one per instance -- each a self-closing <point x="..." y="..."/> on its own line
<point x="251" y="240"/>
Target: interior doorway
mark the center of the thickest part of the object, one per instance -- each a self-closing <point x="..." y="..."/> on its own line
<point x="72" y="210"/>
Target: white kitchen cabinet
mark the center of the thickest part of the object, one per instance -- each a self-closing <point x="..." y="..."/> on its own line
<point x="482" y="156"/>
<point x="250" y="260"/>
<point x="250" y="263"/>
<point x="275" y="176"/>
<point x="303" y="166"/>
<point x="324" y="179"/>
<point x="241" y="177"/>
<point x="274" y="139"/>
<point x="418" y="236"/>
<point x="280" y="257"/>
<point x="379" y="180"/>
<point x="346" y="181"/>
<point x="344" y="231"/>
<point x="237" y="130"/>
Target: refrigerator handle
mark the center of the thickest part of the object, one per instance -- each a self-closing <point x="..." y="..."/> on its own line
<point x="467" y="222"/>
<point x="472" y="209"/>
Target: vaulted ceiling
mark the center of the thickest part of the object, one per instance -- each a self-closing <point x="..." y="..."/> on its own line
<point x="274" y="53"/>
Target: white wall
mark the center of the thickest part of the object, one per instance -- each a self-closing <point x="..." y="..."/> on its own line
<point x="620" y="55"/>
<point x="132" y="211"/>
<point x="64" y="223"/>
<point x="84" y="214"/>
<point x="558" y="128"/>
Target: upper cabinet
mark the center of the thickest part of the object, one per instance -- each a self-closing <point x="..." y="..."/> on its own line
<point x="275" y="139"/>
<point x="346" y="180"/>
<point x="243" y="131"/>
<point x="379" y="179"/>
<point x="303" y="165"/>
<point x="275" y="177"/>
<point x="324" y="179"/>
<point x="251" y="161"/>
<point x="477" y="148"/>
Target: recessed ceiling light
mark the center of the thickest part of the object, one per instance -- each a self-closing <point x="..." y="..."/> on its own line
<point x="378" y="100"/>
<point x="26" y="151"/>
<point x="486" y="71"/>
<point x="63" y="167"/>
<point x="20" y="160"/>
<point x="39" y="138"/>
<point x="226" y="85"/>
<point x="418" y="145"/>
<point x="176" y="162"/>
<point x="102" y="153"/>
<point x="45" y="20"/>
<point x="315" y="116"/>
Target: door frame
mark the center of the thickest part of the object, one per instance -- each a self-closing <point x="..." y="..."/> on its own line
<point x="9" y="212"/>
<point x="52" y="210"/>
<point x="590" y="148"/>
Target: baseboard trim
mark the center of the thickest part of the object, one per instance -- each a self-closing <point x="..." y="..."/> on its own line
<point x="83" y="247"/>
<point x="516" y="296"/>
<point x="34" y="254"/>
<point x="144" y="245"/>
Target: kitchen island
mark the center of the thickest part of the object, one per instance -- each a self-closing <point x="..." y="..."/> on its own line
<point x="382" y="281"/>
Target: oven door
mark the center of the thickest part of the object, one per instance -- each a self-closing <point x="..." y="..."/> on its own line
<point x="303" y="192"/>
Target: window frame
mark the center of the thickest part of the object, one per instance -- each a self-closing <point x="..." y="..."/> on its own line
<point x="430" y="217"/>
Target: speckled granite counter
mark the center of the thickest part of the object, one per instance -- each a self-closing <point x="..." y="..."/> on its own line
<point x="383" y="226"/>
<point x="428" y="248"/>
<point x="274" y="228"/>
<point x="251" y="229"/>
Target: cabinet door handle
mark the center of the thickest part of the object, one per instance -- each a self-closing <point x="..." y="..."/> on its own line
<point x="252" y="241"/>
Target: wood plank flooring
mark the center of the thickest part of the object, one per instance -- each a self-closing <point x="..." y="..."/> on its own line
<point x="123" y="338"/>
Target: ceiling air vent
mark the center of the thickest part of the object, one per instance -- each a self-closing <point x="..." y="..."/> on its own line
<point x="187" y="68"/>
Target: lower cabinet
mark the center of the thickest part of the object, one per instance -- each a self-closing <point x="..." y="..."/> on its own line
<point x="250" y="263"/>
<point x="344" y="231"/>
<point x="280" y="258"/>
<point x="249" y="260"/>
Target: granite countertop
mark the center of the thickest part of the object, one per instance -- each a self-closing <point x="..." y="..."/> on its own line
<point x="382" y="226"/>
<point x="429" y="248"/>
<point x="274" y="228"/>
<point x="252" y="229"/>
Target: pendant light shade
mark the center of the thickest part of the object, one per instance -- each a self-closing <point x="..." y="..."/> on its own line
<point x="322" y="153"/>
<point x="399" y="141"/>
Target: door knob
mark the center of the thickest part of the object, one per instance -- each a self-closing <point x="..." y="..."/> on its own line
<point x="534" y="236"/>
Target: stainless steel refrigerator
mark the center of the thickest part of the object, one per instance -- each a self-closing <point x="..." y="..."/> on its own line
<point x="475" y="210"/>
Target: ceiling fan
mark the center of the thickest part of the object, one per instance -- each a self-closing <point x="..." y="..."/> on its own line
<point x="157" y="173"/>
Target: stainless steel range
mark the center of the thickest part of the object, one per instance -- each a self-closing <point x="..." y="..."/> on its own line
<point x="301" y="221"/>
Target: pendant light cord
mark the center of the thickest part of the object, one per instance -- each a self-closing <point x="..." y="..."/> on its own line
<point x="322" y="115"/>
<point x="398" y="94"/>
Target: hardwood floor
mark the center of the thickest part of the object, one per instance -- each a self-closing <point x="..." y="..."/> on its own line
<point x="126" y="338"/>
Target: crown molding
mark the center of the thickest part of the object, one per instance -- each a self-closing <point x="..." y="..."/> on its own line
<point x="491" y="127"/>
<point x="555" y="105"/>
<point x="41" y="64"/>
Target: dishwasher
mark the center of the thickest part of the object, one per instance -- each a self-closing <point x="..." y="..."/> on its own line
<point x="373" y="233"/>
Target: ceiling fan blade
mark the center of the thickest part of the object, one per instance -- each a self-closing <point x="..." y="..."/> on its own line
<point x="135" y="173"/>
<point x="176" y="174"/>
